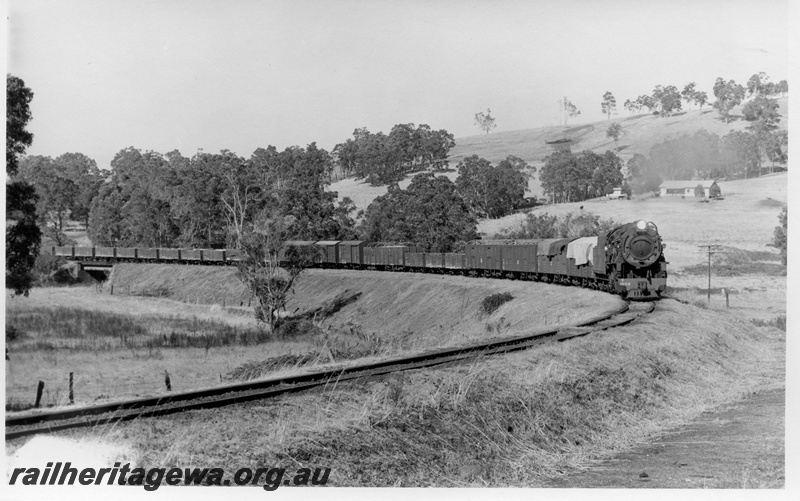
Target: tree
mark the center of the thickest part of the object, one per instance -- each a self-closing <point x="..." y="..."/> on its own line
<point x="23" y="236"/>
<point x="614" y="131"/>
<point x="140" y="193"/>
<point x="782" y="87"/>
<point x="430" y="213"/>
<point x="242" y="189"/>
<point x="18" y="114"/>
<point x="269" y="269"/>
<point x="728" y="94"/>
<point x="606" y="172"/>
<point x="687" y="156"/>
<point x="688" y="92"/>
<point x="65" y="186"/>
<point x="669" y="99"/>
<point x="699" y="191"/>
<point x="609" y="104"/>
<point x="741" y="151"/>
<point x="56" y="193"/>
<point x="777" y="147"/>
<point x="629" y="105"/>
<point x="569" y="109"/>
<point x="105" y="217"/>
<point x="758" y="85"/>
<point x="492" y="191"/>
<point x="763" y="112"/>
<point x="700" y="98"/>
<point x="304" y="196"/>
<point x="485" y="122"/>
<point x="83" y="173"/>
<point x="646" y="102"/>
<point x="569" y="178"/>
<point x="642" y="176"/>
<point x="383" y="159"/>
<point x="780" y="236"/>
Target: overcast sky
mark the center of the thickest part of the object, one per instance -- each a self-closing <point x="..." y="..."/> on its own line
<point x="211" y="74"/>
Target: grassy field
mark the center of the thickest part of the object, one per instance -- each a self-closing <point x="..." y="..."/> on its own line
<point x="506" y="421"/>
<point x="121" y="345"/>
<point x="639" y="134"/>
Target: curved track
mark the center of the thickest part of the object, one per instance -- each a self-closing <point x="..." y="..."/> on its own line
<point x="40" y="423"/>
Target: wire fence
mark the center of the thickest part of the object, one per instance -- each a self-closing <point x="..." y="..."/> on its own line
<point x="23" y="393"/>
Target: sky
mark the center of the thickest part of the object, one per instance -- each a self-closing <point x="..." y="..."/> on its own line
<point x="239" y="75"/>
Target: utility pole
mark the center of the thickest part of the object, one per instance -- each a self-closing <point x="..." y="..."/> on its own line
<point x="710" y="249"/>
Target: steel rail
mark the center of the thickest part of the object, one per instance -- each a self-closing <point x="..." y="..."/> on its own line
<point x="20" y="426"/>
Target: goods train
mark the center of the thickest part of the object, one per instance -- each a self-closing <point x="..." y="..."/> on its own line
<point x="627" y="260"/>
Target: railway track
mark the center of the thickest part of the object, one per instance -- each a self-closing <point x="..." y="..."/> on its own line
<point x="47" y="422"/>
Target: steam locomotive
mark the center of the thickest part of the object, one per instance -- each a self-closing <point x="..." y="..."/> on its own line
<point x="628" y="260"/>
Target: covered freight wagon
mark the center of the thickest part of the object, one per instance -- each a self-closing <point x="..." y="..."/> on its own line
<point x="330" y="257"/>
<point x="434" y="261"/>
<point x="351" y="252"/>
<point x="454" y="262"/>
<point x="415" y="260"/>
<point x="520" y="256"/>
<point x="484" y="256"/>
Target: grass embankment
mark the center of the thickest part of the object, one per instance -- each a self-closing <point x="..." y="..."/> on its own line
<point x="510" y="420"/>
<point x="121" y="345"/>
<point x="427" y="310"/>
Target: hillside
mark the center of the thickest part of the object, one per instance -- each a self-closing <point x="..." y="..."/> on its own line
<point x="639" y="134"/>
<point x="443" y="305"/>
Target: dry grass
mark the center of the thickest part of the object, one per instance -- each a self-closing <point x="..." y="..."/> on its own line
<point x="444" y="307"/>
<point x="740" y="221"/>
<point x="505" y="421"/>
<point x="120" y="346"/>
<point x="639" y="134"/>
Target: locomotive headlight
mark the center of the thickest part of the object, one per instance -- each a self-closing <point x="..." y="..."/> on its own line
<point x="641" y="224"/>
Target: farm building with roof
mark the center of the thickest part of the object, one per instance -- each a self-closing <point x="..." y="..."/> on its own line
<point x="689" y="188"/>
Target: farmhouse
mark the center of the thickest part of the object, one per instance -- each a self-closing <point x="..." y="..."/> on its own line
<point x="687" y="188"/>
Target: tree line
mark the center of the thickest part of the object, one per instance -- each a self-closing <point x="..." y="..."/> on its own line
<point x="150" y="199"/>
<point x="569" y="177"/>
<point x="213" y="200"/>
<point x="666" y="100"/>
<point x="383" y="159"/>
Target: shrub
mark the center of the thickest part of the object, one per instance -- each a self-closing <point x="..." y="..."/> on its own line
<point x="699" y="191"/>
<point x="571" y="225"/>
<point x="46" y="266"/>
<point x="291" y="328"/>
<point x="777" y="322"/>
<point x="490" y="304"/>
<point x="12" y="333"/>
<point x="779" y="238"/>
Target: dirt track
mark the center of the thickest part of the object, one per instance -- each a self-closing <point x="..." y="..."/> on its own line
<point x="738" y="446"/>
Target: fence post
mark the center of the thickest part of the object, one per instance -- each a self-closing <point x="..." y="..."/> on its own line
<point x="112" y="289"/>
<point x="39" y="391"/>
<point x="71" y="393"/>
<point x="167" y="381"/>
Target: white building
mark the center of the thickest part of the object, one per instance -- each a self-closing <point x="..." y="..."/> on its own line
<point x="687" y="188"/>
